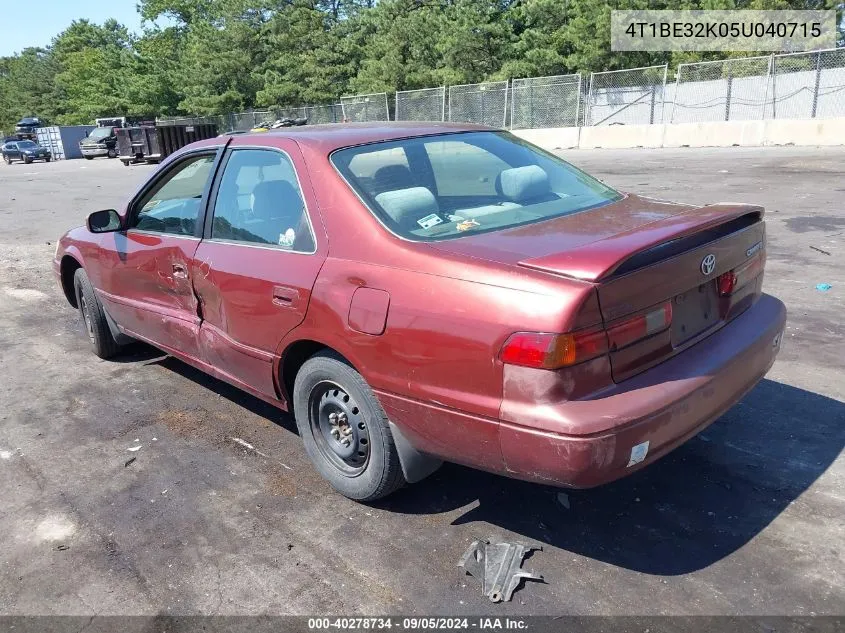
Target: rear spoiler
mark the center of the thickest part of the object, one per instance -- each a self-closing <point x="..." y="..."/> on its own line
<point x="648" y="244"/>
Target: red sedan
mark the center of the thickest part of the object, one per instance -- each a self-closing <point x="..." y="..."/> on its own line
<point x="424" y="292"/>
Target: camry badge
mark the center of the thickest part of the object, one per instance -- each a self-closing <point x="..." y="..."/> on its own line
<point x="708" y="264"/>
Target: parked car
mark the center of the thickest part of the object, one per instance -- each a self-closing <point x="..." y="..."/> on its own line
<point x="25" y="128"/>
<point x="424" y="292"/>
<point x="27" y="151"/>
<point x="102" y="141"/>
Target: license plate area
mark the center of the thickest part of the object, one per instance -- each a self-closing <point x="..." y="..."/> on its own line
<point x="694" y="311"/>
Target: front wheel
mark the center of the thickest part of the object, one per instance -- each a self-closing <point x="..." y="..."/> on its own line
<point x="27" y="160"/>
<point x="47" y="159"/>
<point x="345" y="430"/>
<point x="96" y="325"/>
<point x="112" y="153"/>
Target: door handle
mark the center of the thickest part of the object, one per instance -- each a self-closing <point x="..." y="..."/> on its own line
<point x="180" y="271"/>
<point x="284" y="296"/>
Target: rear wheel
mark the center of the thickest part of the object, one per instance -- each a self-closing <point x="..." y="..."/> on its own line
<point x="125" y="163"/>
<point x="89" y="158"/>
<point x="345" y="430"/>
<point x="8" y="160"/>
<point x="47" y="159"/>
<point x="96" y="326"/>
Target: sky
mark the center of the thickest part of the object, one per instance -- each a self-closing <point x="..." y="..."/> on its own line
<point x="38" y="26"/>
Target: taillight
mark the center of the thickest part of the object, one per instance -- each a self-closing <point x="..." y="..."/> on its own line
<point x="739" y="276"/>
<point x="551" y="351"/>
<point x="643" y="325"/>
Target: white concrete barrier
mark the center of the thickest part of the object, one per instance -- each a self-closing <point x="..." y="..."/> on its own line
<point x="617" y="136"/>
<point x="805" y="132"/>
<point x="711" y="134"/>
<point x="716" y="134"/>
<point x="551" y="137"/>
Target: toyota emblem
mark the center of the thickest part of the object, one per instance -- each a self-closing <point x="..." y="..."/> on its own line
<point x="708" y="264"/>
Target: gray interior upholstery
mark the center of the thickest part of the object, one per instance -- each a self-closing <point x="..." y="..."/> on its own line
<point x="406" y="206"/>
<point x="521" y="184"/>
<point x="487" y="209"/>
<point x="391" y="178"/>
<point x="277" y="207"/>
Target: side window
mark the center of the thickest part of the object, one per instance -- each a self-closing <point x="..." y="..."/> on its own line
<point x="173" y="204"/>
<point x="461" y="169"/>
<point x="259" y="202"/>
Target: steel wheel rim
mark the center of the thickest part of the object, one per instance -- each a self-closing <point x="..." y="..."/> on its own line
<point x="339" y="428"/>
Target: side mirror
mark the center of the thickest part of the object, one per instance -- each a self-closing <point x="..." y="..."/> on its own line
<point x="105" y="221"/>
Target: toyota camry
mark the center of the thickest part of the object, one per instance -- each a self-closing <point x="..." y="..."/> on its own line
<point x="421" y="292"/>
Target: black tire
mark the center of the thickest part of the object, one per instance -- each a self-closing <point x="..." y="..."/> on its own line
<point x="321" y="383"/>
<point x="48" y="159"/>
<point x="89" y="158"/>
<point x="102" y="341"/>
<point x="8" y="160"/>
<point x="112" y="153"/>
<point x="125" y="163"/>
<point x="27" y="160"/>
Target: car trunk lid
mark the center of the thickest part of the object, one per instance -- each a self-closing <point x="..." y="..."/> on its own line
<point x="646" y="260"/>
<point x="658" y="287"/>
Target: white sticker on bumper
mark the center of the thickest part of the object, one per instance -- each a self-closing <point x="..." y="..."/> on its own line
<point x="638" y="453"/>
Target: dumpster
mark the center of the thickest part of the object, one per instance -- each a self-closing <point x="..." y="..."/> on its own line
<point x="152" y="143"/>
<point x="63" y="141"/>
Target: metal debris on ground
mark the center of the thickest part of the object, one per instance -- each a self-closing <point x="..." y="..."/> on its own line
<point x="498" y="566"/>
<point x="822" y="251"/>
<point x="563" y="499"/>
<point x="129" y="461"/>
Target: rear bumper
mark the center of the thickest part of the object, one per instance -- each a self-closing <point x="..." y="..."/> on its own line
<point x="664" y="406"/>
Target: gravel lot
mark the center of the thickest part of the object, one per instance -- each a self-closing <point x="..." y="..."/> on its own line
<point x="744" y="519"/>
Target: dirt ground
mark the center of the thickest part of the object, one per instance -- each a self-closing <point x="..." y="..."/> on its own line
<point x="747" y="518"/>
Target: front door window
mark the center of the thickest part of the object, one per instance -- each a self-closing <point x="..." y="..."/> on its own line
<point x="173" y="205"/>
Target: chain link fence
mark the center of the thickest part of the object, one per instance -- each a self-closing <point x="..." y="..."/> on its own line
<point x="427" y="104"/>
<point x="324" y="113"/>
<point x="484" y="103"/>
<point x="371" y="107"/>
<point x="781" y="86"/>
<point x="553" y="101"/>
<point x="808" y="85"/>
<point x="631" y="96"/>
<point x="724" y="90"/>
<point x="242" y="121"/>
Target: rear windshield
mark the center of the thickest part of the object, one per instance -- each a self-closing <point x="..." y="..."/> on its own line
<point x="445" y="186"/>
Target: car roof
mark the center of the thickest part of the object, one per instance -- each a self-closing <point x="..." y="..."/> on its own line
<point x="331" y="136"/>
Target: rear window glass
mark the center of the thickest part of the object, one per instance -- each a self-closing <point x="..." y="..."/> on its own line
<point x="446" y="186"/>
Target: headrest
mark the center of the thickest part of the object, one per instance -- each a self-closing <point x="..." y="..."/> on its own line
<point x="523" y="183"/>
<point x="276" y="199"/>
<point x="406" y="206"/>
<point x="391" y="178"/>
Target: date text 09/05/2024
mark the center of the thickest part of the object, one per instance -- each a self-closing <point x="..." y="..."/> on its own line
<point x="416" y="623"/>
